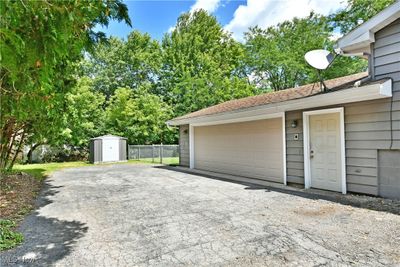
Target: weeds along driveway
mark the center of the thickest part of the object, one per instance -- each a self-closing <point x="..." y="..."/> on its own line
<point x="139" y="215"/>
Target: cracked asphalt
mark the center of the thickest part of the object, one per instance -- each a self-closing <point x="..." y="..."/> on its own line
<point x="141" y="215"/>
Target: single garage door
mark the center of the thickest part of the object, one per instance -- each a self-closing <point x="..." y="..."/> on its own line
<point x="251" y="149"/>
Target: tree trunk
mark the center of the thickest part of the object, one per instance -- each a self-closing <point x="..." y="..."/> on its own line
<point x="7" y="135"/>
<point x="29" y="155"/>
<point x="21" y="141"/>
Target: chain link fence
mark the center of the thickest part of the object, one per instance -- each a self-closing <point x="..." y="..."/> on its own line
<point x="164" y="154"/>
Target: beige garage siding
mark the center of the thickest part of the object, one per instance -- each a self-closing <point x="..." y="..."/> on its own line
<point x="250" y="149"/>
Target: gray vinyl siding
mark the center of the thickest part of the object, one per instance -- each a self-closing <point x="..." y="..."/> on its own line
<point x="184" y="145"/>
<point x="294" y="149"/>
<point x="122" y="149"/>
<point x="367" y="129"/>
<point x="367" y="124"/>
<point x="386" y="63"/>
<point x="91" y="151"/>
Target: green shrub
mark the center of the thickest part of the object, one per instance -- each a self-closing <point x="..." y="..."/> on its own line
<point x="9" y="238"/>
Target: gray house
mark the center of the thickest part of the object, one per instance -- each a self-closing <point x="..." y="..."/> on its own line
<point x="346" y="139"/>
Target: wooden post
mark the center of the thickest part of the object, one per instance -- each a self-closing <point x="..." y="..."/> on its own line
<point x="139" y="153"/>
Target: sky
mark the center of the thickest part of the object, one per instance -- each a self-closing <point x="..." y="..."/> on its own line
<point x="157" y="17"/>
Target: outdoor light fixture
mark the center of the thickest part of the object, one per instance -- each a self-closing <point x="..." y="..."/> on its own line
<point x="294" y="124"/>
<point x="185" y="131"/>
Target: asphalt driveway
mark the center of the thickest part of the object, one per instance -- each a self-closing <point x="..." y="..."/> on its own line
<point x="139" y="215"/>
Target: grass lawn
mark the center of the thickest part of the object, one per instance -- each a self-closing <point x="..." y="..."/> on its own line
<point x="167" y="161"/>
<point x="41" y="170"/>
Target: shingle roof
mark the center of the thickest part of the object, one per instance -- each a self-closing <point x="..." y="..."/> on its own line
<point x="279" y="96"/>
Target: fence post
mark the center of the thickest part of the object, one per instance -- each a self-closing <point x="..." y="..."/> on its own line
<point x="139" y="153"/>
<point x="161" y="152"/>
<point x="152" y="153"/>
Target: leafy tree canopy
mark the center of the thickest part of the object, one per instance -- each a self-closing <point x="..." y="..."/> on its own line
<point x="39" y="40"/>
<point x="84" y="114"/>
<point x="202" y="64"/>
<point x="357" y="12"/>
<point x="119" y="63"/>
<point x="139" y="117"/>
<point x="275" y="56"/>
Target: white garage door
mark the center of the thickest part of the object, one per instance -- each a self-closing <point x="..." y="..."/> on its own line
<point x="250" y="149"/>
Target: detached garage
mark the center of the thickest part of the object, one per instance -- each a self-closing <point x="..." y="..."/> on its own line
<point x="295" y="136"/>
<point x="107" y="148"/>
<point x="341" y="135"/>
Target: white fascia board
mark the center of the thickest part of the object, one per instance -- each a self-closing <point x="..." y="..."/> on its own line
<point x="359" y="45"/>
<point x="191" y="147"/>
<point x="385" y="88"/>
<point x="363" y="35"/>
<point x="274" y="110"/>
<point x="233" y="119"/>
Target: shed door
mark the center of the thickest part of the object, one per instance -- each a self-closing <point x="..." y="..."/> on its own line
<point x="250" y="149"/>
<point x="110" y="149"/>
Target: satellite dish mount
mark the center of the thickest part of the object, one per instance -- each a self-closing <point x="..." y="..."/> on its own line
<point x="320" y="60"/>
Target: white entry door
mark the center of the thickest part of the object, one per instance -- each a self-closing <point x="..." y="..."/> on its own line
<point x="110" y="149"/>
<point x="325" y="151"/>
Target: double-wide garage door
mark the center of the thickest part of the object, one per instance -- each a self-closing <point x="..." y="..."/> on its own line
<point x="251" y="149"/>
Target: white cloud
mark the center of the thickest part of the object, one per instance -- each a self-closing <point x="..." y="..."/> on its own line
<point x="335" y="36"/>
<point x="171" y="29"/>
<point x="265" y="13"/>
<point x="208" y="5"/>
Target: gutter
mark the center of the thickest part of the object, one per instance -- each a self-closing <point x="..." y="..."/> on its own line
<point x="355" y="94"/>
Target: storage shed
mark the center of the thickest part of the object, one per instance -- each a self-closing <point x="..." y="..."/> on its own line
<point x="108" y="148"/>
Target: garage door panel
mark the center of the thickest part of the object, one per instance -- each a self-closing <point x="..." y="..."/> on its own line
<point x="251" y="149"/>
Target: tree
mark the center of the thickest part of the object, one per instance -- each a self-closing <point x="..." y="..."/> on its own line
<point x="120" y="63"/>
<point x="275" y="56"/>
<point x="82" y="119"/>
<point x="202" y="65"/>
<point x="39" y="40"/>
<point x="356" y="12"/>
<point x="139" y="116"/>
<point x="84" y="114"/>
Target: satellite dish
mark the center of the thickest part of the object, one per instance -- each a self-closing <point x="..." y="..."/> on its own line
<point x="319" y="59"/>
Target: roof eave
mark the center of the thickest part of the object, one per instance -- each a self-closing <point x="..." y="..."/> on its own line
<point x="359" y="39"/>
<point x="355" y="94"/>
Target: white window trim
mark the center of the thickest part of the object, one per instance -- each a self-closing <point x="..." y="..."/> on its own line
<point x="284" y="148"/>
<point x="306" y="143"/>
<point x="244" y="119"/>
